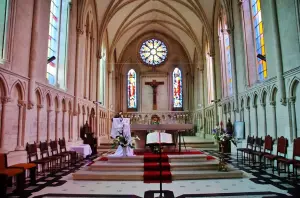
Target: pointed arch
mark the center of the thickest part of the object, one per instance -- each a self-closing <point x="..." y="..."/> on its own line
<point x="293" y="85"/>
<point x="131" y="89"/>
<point x="20" y="89"/>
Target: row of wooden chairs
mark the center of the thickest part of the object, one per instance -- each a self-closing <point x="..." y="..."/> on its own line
<point x="262" y="149"/>
<point x="57" y="160"/>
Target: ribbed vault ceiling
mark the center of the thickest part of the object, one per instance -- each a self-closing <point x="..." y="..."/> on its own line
<point x="182" y="20"/>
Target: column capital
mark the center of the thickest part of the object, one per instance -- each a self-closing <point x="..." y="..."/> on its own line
<point x="79" y="31"/>
<point x="254" y="106"/>
<point x="22" y="103"/>
<point x="39" y="106"/>
<point x="263" y="104"/>
<point x="65" y="110"/>
<point x="248" y="107"/>
<point x="273" y="103"/>
<point x="49" y="110"/>
<point x="292" y="99"/>
<point x="5" y="99"/>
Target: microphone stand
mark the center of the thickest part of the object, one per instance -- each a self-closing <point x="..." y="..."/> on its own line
<point x="160" y="169"/>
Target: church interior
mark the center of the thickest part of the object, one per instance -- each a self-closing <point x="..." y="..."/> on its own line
<point x="203" y="96"/>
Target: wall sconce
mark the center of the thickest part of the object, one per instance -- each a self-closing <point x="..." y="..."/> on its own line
<point x="261" y="57"/>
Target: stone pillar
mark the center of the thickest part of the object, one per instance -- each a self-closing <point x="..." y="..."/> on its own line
<point x="265" y="118"/>
<point x="4" y="101"/>
<point x="70" y="129"/>
<point x="233" y="69"/>
<point x="21" y="105"/>
<point x="249" y="121"/>
<point x="34" y="52"/>
<point x="273" y="104"/>
<point x="256" y="120"/>
<point x="276" y="43"/>
<point x="216" y="120"/>
<point x="56" y="124"/>
<point x="39" y="108"/>
<point x="48" y="124"/>
<point x="294" y="118"/>
<point x="63" y="123"/>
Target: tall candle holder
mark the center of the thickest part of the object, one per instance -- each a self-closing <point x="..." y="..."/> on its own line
<point x="222" y="162"/>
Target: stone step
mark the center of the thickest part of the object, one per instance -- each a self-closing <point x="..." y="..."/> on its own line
<point x="138" y="175"/>
<point x="180" y="166"/>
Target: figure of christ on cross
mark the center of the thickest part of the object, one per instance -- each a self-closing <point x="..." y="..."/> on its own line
<point x="154" y="84"/>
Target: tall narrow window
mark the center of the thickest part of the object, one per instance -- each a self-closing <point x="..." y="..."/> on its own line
<point x="3" y="27"/>
<point x="210" y="91"/>
<point x="177" y="88"/>
<point x="259" y="38"/>
<point x="131" y="84"/>
<point x="58" y="42"/>
<point x="102" y="74"/>
<point x="225" y="58"/>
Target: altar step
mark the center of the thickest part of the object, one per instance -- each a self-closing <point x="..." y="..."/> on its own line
<point x="139" y="175"/>
<point x="175" y="166"/>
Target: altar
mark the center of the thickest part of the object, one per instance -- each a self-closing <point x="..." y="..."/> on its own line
<point x="141" y="131"/>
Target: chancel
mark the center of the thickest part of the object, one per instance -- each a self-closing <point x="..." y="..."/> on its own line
<point x="106" y="98"/>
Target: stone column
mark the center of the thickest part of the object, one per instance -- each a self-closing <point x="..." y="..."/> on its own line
<point x="216" y="120"/>
<point x="273" y="104"/>
<point x="233" y="69"/>
<point x="4" y="101"/>
<point x="70" y="129"/>
<point x="277" y="58"/>
<point x="21" y="105"/>
<point x="56" y="124"/>
<point x="294" y="120"/>
<point x="265" y="118"/>
<point x="256" y="120"/>
<point x="63" y="123"/>
<point x="34" y="52"/>
<point x="39" y="107"/>
<point x="249" y="121"/>
<point x="48" y="124"/>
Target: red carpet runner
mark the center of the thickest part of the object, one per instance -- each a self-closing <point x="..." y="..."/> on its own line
<point x="152" y="169"/>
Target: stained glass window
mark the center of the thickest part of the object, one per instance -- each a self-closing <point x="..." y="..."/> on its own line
<point x="3" y="26"/>
<point x="259" y="38"/>
<point x="225" y="58"/>
<point x="58" y="41"/>
<point x="153" y="52"/>
<point x="131" y="83"/>
<point x="177" y="88"/>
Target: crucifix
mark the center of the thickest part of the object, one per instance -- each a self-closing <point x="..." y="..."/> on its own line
<point x="154" y="84"/>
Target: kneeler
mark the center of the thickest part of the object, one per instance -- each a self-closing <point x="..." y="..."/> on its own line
<point x="7" y="173"/>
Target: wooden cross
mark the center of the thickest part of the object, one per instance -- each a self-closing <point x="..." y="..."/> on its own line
<point x="154" y="84"/>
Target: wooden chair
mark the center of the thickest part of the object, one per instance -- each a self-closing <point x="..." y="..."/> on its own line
<point x="249" y="146"/>
<point x="32" y="156"/>
<point x="268" y="148"/>
<point x="282" y="144"/>
<point x="64" y="156"/>
<point x="296" y="153"/>
<point x="7" y="173"/>
<point x="55" y="160"/>
<point x="287" y="162"/>
<point x="257" y="151"/>
<point x="73" y="155"/>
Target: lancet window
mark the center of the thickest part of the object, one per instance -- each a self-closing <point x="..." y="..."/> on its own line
<point x="177" y="88"/>
<point x="58" y="42"/>
<point x="4" y="4"/>
<point x="131" y="93"/>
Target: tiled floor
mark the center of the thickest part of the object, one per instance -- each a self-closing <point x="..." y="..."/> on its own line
<point x="262" y="184"/>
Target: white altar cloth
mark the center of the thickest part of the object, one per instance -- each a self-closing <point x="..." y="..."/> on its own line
<point x="83" y="149"/>
<point x="121" y="127"/>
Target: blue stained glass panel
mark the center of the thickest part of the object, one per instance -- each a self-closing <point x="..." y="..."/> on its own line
<point x="177" y="88"/>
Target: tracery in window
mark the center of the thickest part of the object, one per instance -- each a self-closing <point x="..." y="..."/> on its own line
<point x="153" y="52"/>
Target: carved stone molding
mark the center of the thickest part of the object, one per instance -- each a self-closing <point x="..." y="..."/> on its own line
<point x="22" y="103"/>
<point x="5" y="99"/>
<point x="263" y="104"/>
<point x="254" y="106"/>
<point x="39" y="106"/>
<point x="292" y="99"/>
<point x="273" y="103"/>
<point x="79" y="31"/>
<point x="248" y="108"/>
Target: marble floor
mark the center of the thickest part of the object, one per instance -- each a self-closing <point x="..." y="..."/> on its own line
<point x="259" y="184"/>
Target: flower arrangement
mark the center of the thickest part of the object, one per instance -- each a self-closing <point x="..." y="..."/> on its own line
<point x="221" y="135"/>
<point x="124" y="141"/>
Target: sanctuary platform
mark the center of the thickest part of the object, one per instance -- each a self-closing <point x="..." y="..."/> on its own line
<point x="187" y="165"/>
